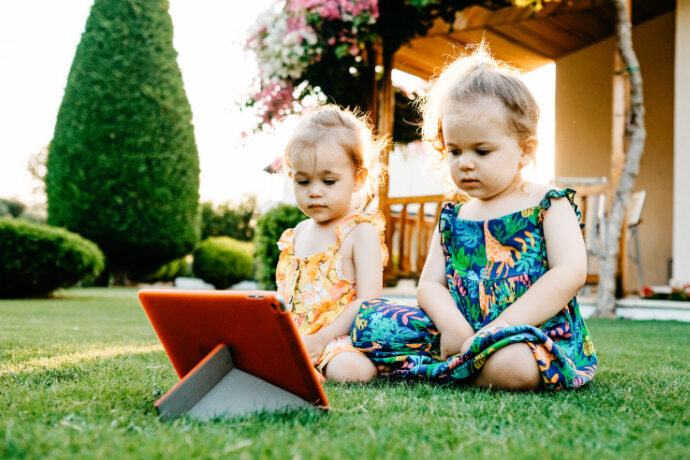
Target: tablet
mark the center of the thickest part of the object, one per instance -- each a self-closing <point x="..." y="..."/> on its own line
<point x="259" y="335"/>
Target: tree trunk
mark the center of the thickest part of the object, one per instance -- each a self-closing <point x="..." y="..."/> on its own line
<point x="635" y="129"/>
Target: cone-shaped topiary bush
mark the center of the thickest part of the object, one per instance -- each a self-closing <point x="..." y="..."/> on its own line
<point x="37" y="259"/>
<point x="123" y="167"/>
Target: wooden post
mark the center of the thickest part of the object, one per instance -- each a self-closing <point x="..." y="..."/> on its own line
<point x="421" y="240"/>
<point x="373" y="57"/>
<point x="386" y="112"/>
<point x="403" y="247"/>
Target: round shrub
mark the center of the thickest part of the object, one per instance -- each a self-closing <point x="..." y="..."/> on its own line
<point x="269" y="228"/>
<point x="37" y="259"/>
<point x="170" y="271"/>
<point x="223" y="261"/>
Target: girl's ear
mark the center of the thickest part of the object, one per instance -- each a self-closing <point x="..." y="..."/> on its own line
<point x="529" y="150"/>
<point x="360" y="178"/>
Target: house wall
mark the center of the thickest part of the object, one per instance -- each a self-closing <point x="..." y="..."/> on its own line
<point x="583" y="131"/>
<point x="681" y="213"/>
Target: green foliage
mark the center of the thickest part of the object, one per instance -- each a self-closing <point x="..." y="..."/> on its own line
<point x="227" y="220"/>
<point x="80" y="374"/>
<point x="123" y="167"/>
<point x="679" y="294"/>
<point x="407" y="120"/>
<point x="169" y="271"/>
<point x="269" y="228"/>
<point x="223" y="261"/>
<point x="37" y="259"/>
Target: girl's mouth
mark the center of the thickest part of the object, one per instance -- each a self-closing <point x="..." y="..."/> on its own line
<point x="470" y="183"/>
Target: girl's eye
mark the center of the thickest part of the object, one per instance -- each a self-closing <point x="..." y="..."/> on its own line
<point x="302" y="182"/>
<point x="453" y="152"/>
<point x="482" y="152"/>
<point x="329" y="181"/>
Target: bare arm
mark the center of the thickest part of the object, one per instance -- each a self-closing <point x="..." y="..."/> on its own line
<point x="368" y="265"/>
<point x="436" y="301"/>
<point x="566" y="275"/>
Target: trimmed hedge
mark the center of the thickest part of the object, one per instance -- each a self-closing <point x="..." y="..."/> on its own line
<point x="123" y="167"/>
<point x="228" y="220"/>
<point x="37" y="259"/>
<point x="168" y="272"/>
<point x="269" y="228"/>
<point x="223" y="261"/>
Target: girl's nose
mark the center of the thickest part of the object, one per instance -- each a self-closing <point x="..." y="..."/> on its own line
<point x="315" y="191"/>
<point x="466" y="163"/>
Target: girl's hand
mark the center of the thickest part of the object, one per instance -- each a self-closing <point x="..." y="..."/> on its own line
<point x="451" y="342"/>
<point x="314" y="344"/>
<point x="495" y="324"/>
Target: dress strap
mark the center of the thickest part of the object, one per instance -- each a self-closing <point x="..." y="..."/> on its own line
<point x="567" y="193"/>
<point x="449" y="211"/>
<point x="374" y="217"/>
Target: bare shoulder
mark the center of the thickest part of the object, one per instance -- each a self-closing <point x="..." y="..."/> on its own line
<point x="361" y="234"/>
<point x="301" y="228"/>
<point x="365" y="230"/>
<point x="538" y="191"/>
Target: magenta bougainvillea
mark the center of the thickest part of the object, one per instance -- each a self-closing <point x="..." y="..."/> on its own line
<point x="287" y="40"/>
<point x="308" y="50"/>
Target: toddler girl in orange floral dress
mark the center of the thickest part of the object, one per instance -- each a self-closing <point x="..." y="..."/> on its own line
<point x="334" y="260"/>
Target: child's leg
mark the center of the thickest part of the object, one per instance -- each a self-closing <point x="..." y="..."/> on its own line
<point x="511" y="368"/>
<point x="350" y="367"/>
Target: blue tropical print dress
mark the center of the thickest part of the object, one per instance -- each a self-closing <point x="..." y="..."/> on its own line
<point x="489" y="265"/>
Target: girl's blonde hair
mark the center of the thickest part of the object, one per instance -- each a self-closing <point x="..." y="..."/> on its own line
<point x="351" y="132"/>
<point x="476" y="75"/>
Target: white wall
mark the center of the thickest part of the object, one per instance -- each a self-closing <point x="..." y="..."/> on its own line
<point x="681" y="146"/>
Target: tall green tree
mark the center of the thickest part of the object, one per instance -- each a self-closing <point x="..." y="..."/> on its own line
<point x="123" y="166"/>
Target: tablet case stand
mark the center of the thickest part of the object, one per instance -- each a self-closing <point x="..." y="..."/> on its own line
<point x="236" y="352"/>
<point x="216" y="388"/>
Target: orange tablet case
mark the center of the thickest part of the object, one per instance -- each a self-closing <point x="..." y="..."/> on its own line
<point x="237" y="349"/>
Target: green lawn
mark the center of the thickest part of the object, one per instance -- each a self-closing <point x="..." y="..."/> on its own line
<point x="79" y="375"/>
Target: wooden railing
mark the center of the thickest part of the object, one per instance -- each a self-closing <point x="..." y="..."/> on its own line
<point x="594" y="201"/>
<point x="409" y="231"/>
<point x="411" y="222"/>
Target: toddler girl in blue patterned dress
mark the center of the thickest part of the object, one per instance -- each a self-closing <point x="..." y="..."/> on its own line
<point x="497" y="305"/>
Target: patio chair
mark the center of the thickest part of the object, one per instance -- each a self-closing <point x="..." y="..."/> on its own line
<point x="595" y="230"/>
<point x="595" y="223"/>
<point x="634" y="218"/>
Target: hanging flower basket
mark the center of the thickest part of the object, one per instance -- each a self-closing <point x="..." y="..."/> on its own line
<point x="288" y="40"/>
<point x="310" y="51"/>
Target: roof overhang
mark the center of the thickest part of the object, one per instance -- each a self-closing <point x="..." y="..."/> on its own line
<point x="520" y="36"/>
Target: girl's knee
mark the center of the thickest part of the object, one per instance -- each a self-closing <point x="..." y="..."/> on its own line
<point x="350" y="367"/>
<point x="511" y="368"/>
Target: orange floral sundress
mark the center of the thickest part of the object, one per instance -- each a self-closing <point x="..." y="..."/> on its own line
<point x="314" y="287"/>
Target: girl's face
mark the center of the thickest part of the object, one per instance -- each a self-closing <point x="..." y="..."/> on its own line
<point x="324" y="180"/>
<point x="484" y="156"/>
